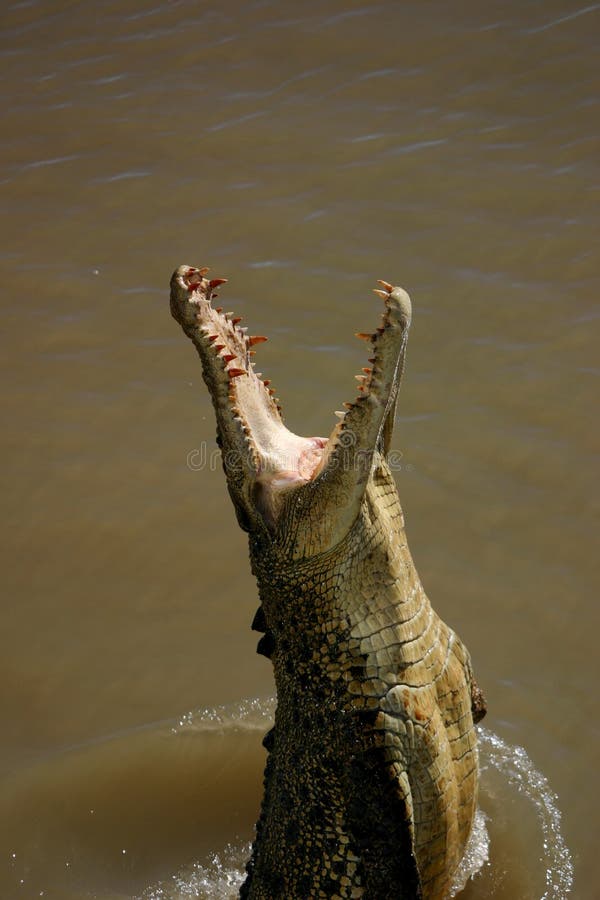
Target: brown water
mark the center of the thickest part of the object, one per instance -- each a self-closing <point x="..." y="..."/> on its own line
<point x="302" y="150"/>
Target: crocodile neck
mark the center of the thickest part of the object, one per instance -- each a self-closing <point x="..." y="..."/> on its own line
<point x="332" y="808"/>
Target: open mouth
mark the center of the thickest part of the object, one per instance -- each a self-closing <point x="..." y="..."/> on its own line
<point x="251" y="431"/>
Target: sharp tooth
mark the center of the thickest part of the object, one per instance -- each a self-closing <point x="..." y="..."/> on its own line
<point x="235" y="373"/>
<point x="339" y="414"/>
<point x="364" y="336"/>
<point x="367" y="370"/>
<point x="385" y="284"/>
<point x="213" y="337"/>
<point x="272" y="392"/>
<point x="257" y="339"/>
<point x="219" y="347"/>
<point x="229" y="314"/>
<point x="348" y="405"/>
<point x="203" y="270"/>
<point x="192" y="287"/>
<point x="236" y="319"/>
<point x="219" y="309"/>
<point x="267" y="382"/>
<point x="383" y="294"/>
<point x="215" y="282"/>
<point x="359" y="377"/>
<point x="228" y="357"/>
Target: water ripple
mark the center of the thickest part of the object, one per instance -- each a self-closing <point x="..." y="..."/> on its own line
<point x="418" y="145"/>
<point x="360" y="139"/>
<point x="53" y="161"/>
<point x="121" y="176"/>
<point x="378" y="73"/>
<point x="561" y="19"/>
<point x="270" y="264"/>
<point x="238" y="120"/>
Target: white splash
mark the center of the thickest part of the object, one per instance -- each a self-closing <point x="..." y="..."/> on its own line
<point x="518" y="770"/>
<point x="476" y="854"/>
<point x="220" y="877"/>
<point x="248" y="715"/>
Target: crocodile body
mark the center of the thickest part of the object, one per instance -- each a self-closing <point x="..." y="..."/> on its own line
<point x="371" y="776"/>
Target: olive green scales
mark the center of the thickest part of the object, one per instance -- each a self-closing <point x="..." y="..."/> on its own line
<point x="371" y="777"/>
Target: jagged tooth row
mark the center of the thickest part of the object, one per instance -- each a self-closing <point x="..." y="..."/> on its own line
<point x="233" y="372"/>
<point x="196" y="277"/>
<point x="366" y="380"/>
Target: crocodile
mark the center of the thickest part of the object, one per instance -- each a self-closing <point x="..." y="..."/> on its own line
<point x="371" y="779"/>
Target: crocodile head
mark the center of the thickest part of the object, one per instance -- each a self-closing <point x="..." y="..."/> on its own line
<point x="271" y="472"/>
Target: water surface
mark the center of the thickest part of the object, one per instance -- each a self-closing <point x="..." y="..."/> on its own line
<point x="302" y="151"/>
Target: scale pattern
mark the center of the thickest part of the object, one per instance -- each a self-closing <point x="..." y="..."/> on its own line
<point x="371" y="781"/>
<point x="371" y="777"/>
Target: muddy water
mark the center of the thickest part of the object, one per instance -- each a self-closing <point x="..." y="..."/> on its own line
<point x="302" y="150"/>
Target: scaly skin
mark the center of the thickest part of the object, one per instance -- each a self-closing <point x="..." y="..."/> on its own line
<point x="371" y="779"/>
